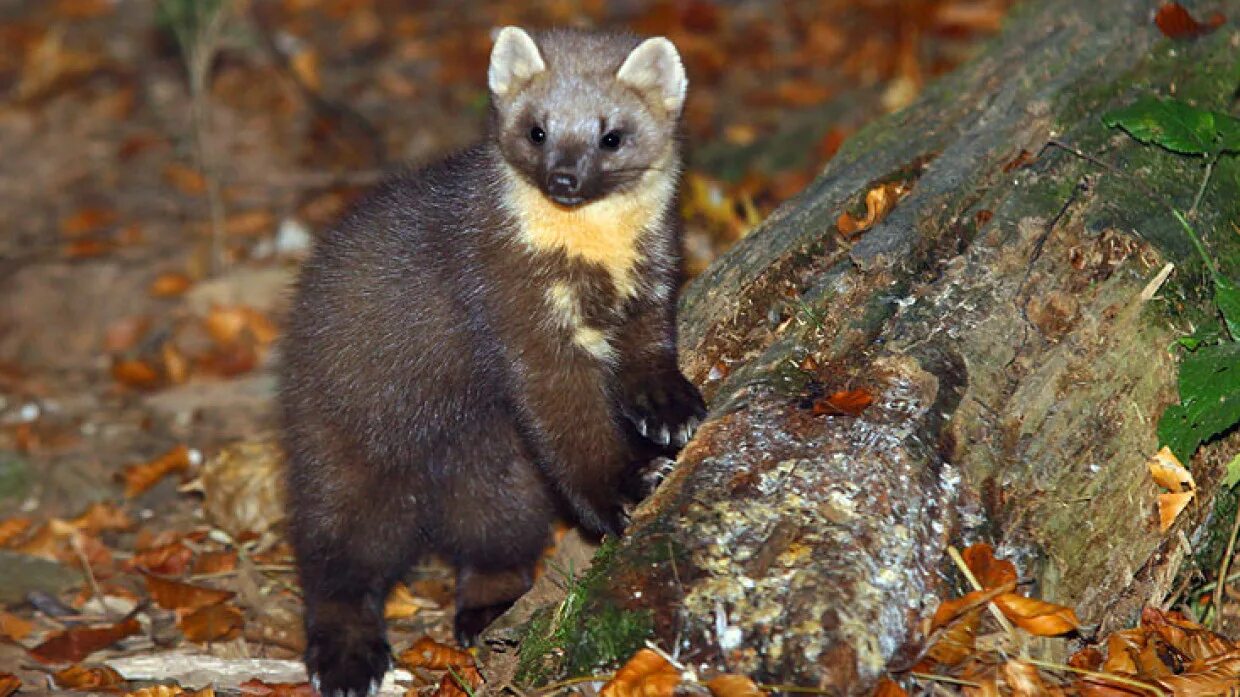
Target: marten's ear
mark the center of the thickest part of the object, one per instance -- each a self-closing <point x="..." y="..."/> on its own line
<point x="655" y="70"/>
<point x="514" y="60"/>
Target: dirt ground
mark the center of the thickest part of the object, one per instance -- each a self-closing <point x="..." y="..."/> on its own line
<point x="150" y="233"/>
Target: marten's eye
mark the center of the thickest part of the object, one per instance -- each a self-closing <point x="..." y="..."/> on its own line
<point x="611" y="141"/>
<point x="537" y="135"/>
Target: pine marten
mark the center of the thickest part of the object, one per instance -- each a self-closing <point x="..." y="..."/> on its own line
<point x="487" y="342"/>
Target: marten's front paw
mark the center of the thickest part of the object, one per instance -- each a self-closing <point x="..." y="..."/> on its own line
<point x="666" y="411"/>
<point x="346" y="664"/>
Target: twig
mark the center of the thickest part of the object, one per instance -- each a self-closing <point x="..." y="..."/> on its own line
<point x="557" y="686"/>
<point x="1223" y="566"/>
<point x="76" y="543"/>
<point x="944" y="678"/>
<point x="1201" y="190"/>
<point x="994" y="609"/>
<point x="1106" y="677"/>
<point x="1155" y="283"/>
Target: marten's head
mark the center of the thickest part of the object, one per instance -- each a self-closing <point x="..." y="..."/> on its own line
<point x="582" y="116"/>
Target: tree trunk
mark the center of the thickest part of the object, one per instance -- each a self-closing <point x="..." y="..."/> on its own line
<point x="997" y="318"/>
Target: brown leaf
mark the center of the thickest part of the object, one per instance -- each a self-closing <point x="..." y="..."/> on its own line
<point x="125" y="333"/>
<point x="1170" y="506"/>
<point x="454" y="681"/>
<point x="957" y="640"/>
<point x="9" y="684"/>
<point x="170" y="285"/>
<point x="219" y="622"/>
<point x="175" y="595"/>
<point x="172" y="559"/>
<point x="1167" y="471"/>
<point x="14" y="627"/>
<point x="276" y="689"/>
<point x="184" y="179"/>
<point x="87" y="220"/>
<point x="170" y="691"/>
<point x="878" y="203"/>
<point x="401" y="604"/>
<point x="216" y="561"/>
<point x="136" y="373"/>
<point x="887" y="687"/>
<point x="1176" y="23"/>
<point x="949" y="610"/>
<point x="733" y="685"/>
<point x="250" y="223"/>
<point x="12" y="529"/>
<point x="83" y="9"/>
<point x="138" y="478"/>
<point x="646" y="674"/>
<point x="101" y="516"/>
<point x="75" y="644"/>
<point x="989" y="571"/>
<point x="87" y="248"/>
<point x="844" y="402"/>
<point x="428" y="653"/>
<point x="82" y="677"/>
<point x="1037" y="617"/>
<point x="1023" y="679"/>
<point x="305" y="65"/>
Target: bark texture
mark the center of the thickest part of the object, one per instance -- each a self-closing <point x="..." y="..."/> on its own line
<point x="995" y="315"/>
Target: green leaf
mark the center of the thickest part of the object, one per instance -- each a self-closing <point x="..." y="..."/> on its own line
<point x="1209" y="399"/>
<point x="1233" y="473"/>
<point x="1227" y="297"/>
<point x="1178" y="127"/>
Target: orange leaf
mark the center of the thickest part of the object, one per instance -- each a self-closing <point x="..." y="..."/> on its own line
<point x="101" y="516"/>
<point x="186" y="180"/>
<point x="733" y="685"/>
<point x="949" y="610"/>
<point x="958" y="639"/>
<point x="989" y="571"/>
<point x="169" y="560"/>
<point x="1166" y="469"/>
<point x="215" y="562"/>
<point x="87" y="249"/>
<point x="11" y="529"/>
<point x="249" y="223"/>
<point x="646" y="674"/>
<point x="428" y="653"/>
<point x="451" y="683"/>
<point x="80" y="677"/>
<point x="1023" y="679"/>
<point x="135" y="373"/>
<point x="219" y="622"/>
<point x="1170" y="506"/>
<point x="9" y="684"/>
<point x="845" y="402"/>
<point x="87" y="220"/>
<point x="1037" y="617"/>
<point x="276" y="689"/>
<point x="175" y="595"/>
<point x="401" y="604"/>
<point x="878" y="203"/>
<point x="139" y="478"/>
<point x="225" y="324"/>
<point x="170" y="285"/>
<point x="1176" y="23"/>
<point x="14" y="627"/>
<point x="72" y="645"/>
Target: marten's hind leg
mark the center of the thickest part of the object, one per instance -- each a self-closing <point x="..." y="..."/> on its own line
<point x="498" y="524"/>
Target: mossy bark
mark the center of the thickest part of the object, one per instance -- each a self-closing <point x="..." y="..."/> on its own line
<point x="997" y="317"/>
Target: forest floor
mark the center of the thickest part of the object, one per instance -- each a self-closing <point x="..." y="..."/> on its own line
<point x="150" y="235"/>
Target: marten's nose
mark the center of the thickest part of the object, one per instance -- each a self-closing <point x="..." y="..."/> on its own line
<point x="563" y="183"/>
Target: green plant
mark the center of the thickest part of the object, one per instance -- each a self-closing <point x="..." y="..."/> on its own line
<point x="1209" y="380"/>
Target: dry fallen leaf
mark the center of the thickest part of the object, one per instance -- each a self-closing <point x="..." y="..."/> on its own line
<point x="646" y="674"/>
<point x="459" y="682"/>
<point x="1170" y="506"/>
<point x="74" y="644"/>
<point x="878" y="203"/>
<point x="957" y="640"/>
<point x="949" y="610"/>
<point x="138" y="478"/>
<point x="176" y="595"/>
<point x="1176" y="23"/>
<point x="733" y="685"/>
<point x="1037" y="617"/>
<point x="987" y="569"/>
<point x="1167" y="471"/>
<point x="428" y="653"/>
<point x="171" y="559"/>
<point x="83" y="677"/>
<point x="12" y="529"/>
<point x="219" y="622"/>
<point x="846" y="402"/>
<point x="887" y="687"/>
<point x="87" y="220"/>
<point x="101" y="516"/>
<point x="401" y="604"/>
<point x="136" y="373"/>
<point x="276" y="689"/>
<point x="9" y="684"/>
<point x="186" y="180"/>
<point x="14" y="627"/>
<point x="170" y="285"/>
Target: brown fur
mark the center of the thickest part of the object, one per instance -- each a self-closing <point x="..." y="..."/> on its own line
<point x="459" y="372"/>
